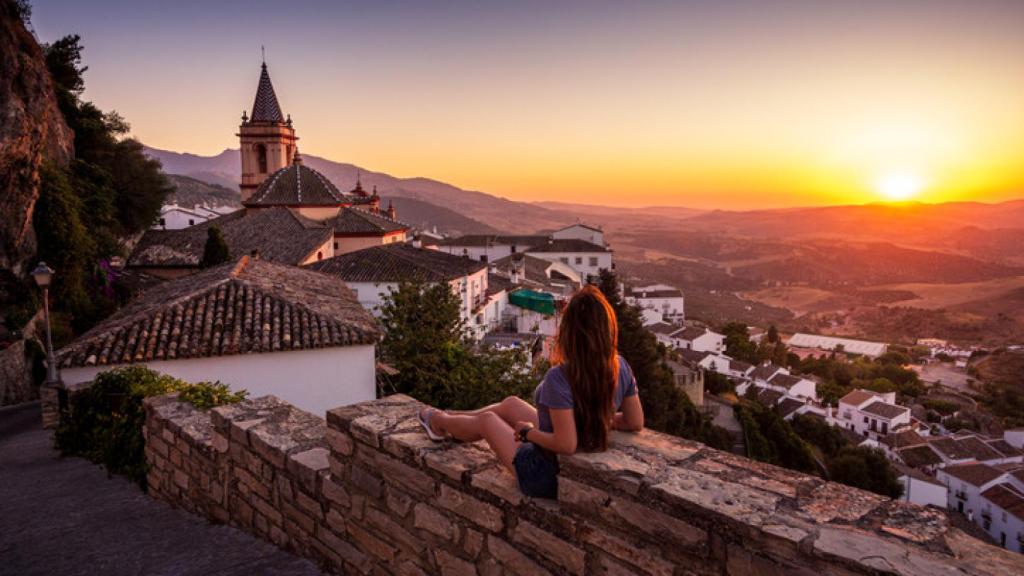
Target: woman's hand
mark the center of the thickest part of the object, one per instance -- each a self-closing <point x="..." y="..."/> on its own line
<point x="519" y="426"/>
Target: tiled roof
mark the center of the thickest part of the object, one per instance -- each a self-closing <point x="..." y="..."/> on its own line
<point x="785" y="380"/>
<point x="279" y="235"/>
<point x="973" y="474"/>
<point x="496" y="283"/>
<point x="242" y="307"/>
<point x="397" y="262"/>
<point x="919" y="456"/>
<point x="739" y="366"/>
<point x="690" y="333"/>
<point x="361" y="222"/>
<point x="1007" y="497"/>
<point x="536" y="269"/>
<point x="764" y="371"/>
<point x="663" y="328"/>
<point x="567" y="245"/>
<point x="885" y="410"/>
<point x="266" y="108"/>
<point x="857" y="397"/>
<point x="692" y="356"/>
<point x="903" y="439"/>
<point x="965" y="447"/>
<point x="493" y="240"/>
<point x="768" y="397"/>
<point x="788" y="406"/>
<point x="297" y="185"/>
<point x="917" y="474"/>
<point x="1004" y="447"/>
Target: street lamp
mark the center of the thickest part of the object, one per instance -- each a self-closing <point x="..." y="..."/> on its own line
<point x="43" y="274"/>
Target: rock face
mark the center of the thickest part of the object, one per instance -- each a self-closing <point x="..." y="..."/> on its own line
<point x="31" y="129"/>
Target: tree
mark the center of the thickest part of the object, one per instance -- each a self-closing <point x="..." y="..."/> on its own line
<point x="666" y="407"/>
<point x="425" y="341"/>
<point x="771" y="439"/>
<point x="216" y="250"/>
<point x="866" y="468"/>
<point x="773" y="334"/>
<point x="738" y="344"/>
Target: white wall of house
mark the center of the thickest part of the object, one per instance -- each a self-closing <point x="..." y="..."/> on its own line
<point x="580" y="232"/>
<point x="1005" y="528"/>
<point x="528" y="321"/>
<point x="805" y="388"/>
<point x="962" y="496"/>
<point x="483" y="253"/>
<point x="314" y="380"/>
<point x="174" y="217"/>
<point x="649" y="317"/>
<point x="586" y="263"/>
<point x="923" y="493"/>
<point x="1014" y="437"/>
<point x="671" y="309"/>
<point x="707" y="342"/>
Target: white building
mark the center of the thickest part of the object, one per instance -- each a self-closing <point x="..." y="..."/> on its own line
<point x="586" y="258"/>
<point x="175" y="217"/>
<point x="488" y="247"/>
<point x="920" y="488"/>
<point x="990" y="497"/>
<point x="660" y="298"/>
<point x="579" y="231"/>
<point x="831" y="343"/>
<point x="871" y="414"/>
<point x="1014" y="437"/>
<point x="374" y="272"/>
<point x="309" y="342"/>
<point x="699" y="340"/>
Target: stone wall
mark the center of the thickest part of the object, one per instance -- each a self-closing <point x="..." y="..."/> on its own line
<point x="367" y="492"/>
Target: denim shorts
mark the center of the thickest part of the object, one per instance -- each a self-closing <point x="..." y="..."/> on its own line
<point x="536" y="471"/>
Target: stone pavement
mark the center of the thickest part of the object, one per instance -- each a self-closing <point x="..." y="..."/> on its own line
<point x="64" y="516"/>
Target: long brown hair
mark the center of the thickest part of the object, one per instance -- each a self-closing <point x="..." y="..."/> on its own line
<point x="586" y="349"/>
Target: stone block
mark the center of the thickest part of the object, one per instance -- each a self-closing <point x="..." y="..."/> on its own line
<point x="335" y="493"/>
<point x="240" y="430"/>
<point x="740" y="562"/>
<point x="449" y="565"/>
<point x="181" y="479"/>
<point x="371" y="544"/>
<point x="832" y="501"/>
<point x="568" y="556"/>
<point x="644" y="557"/>
<point x="344" y="550"/>
<point x="307" y="465"/>
<point x="406" y="477"/>
<point x="511" y="559"/>
<point x="398" y="502"/>
<point x="340" y="442"/>
<point x="426" y="517"/>
<point x="659" y="526"/>
<point x="499" y="482"/>
<point x="335" y="521"/>
<point x="305" y="521"/>
<point x="472" y="509"/>
<point x="366" y="481"/>
<point x="383" y="523"/>
<point x="158" y="446"/>
<point x="267" y="510"/>
<point x="472" y="543"/>
<point x="252" y="483"/>
<point x="409" y="445"/>
<point x="271" y="446"/>
<point x="457" y="462"/>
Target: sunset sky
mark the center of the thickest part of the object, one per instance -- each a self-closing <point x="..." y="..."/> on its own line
<point x="731" y="104"/>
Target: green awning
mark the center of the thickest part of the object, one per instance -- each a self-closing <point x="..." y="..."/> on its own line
<point x="536" y="301"/>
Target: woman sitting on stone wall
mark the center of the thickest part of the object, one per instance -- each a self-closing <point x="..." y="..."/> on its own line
<point x="589" y="391"/>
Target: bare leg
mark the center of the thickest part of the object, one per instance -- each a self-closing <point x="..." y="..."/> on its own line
<point x="512" y="410"/>
<point x="472" y="427"/>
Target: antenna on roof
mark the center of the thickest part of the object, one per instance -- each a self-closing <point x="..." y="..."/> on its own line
<point x="263" y="53"/>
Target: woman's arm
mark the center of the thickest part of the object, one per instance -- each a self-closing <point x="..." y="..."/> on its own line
<point x="563" y="439"/>
<point x="631" y="418"/>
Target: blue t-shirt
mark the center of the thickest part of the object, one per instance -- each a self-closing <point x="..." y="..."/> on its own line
<point x="554" y="391"/>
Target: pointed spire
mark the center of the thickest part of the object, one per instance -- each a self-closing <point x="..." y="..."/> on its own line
<point x="296" y="159"/>
<point x="266" y="108"/>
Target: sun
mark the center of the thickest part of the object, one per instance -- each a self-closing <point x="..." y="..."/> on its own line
<point x="899" y="186"/>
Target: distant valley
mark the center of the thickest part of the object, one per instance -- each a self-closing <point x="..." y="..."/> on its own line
<point x="894" y="272"/>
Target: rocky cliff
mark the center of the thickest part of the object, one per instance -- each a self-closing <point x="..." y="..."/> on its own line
<point x="32" y="129"/>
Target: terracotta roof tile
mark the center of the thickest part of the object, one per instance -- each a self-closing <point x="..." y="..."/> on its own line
<point x="397" y="263"/>
<point x="265" y="108"/>
<point x="857" y="397"/>
<point x="362" y="222"/>
<point x="973" y="474"/>
<point x="247" y="306"/>
<point x="885" y="410"/>
<point x="297" y="185"/>
<point x="567" y="245"/>
<point x="919" y="456"/>
<point x="1007" y="497"/>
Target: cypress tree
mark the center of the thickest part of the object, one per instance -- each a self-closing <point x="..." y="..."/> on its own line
<point x="216" y="250"/>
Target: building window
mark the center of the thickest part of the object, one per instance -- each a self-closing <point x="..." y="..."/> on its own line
<point x="593" y="260"/>
<point x="191" y="221"/>
<point x="335" y="245"/>
<point x="865" y="419"/>
<point x="513" y="248"/>
<point x="483" y="258"/>
<point x="579" y="259"/>
<point x="261" y="158"/>
<point x="319" y="255"/>
<point x="564" y="259"/>
<point x="163" y="222"/>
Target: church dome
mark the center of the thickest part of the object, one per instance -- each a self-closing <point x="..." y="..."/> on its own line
<point x="297" y="185"/>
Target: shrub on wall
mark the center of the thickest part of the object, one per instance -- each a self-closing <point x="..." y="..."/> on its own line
<point x="104" y="423"/>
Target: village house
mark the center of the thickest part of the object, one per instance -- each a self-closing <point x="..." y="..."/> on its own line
<point x="699" y="340"/>
<point x="374" y="272"/>
<point x="175" y="217"/>
<point x="256" y="325"/>
<point x="991" y="497"/>
<point x="660" y="298"/>
<point x="567" y="246"/>
<point x="535" y="273"/>
<point x="921" y="488"/>
<point x="871" y="414"/>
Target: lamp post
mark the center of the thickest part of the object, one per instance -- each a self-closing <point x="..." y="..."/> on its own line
<point x="43" y="274"/>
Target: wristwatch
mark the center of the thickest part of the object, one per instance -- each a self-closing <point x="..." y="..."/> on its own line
<point x="522" y="432"/>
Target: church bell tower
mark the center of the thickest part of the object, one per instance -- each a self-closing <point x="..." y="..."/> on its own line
<point x="267" y="139"/>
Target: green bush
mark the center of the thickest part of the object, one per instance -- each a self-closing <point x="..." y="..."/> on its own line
<point x="105" y="421"/>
